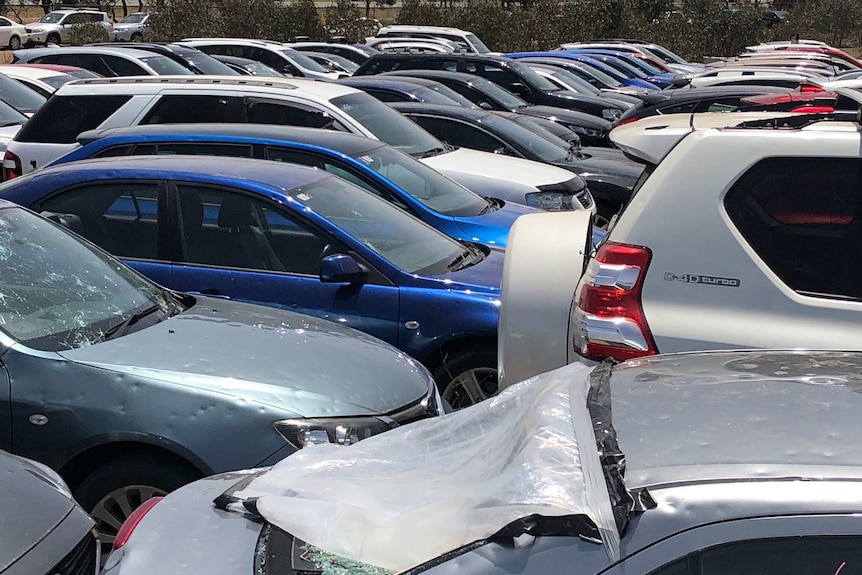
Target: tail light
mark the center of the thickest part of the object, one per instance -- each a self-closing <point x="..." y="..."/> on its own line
<point x="806" y="87"/>
<point x="132" y="521"/>
<point x="628" y="120"/>
<point x="813" y="110"/>
<point x="608" y="320"/>
<point x="11" y="166"/>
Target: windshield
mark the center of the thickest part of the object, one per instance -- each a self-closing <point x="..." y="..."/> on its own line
<point x="431" y="96"/>
<point x="19" y="96"/>
<point x="526" y="140"/>
<point x="530" y="75"/>
<point x="407" y="243"/>
<point x="477" y="44"/>
<point x="207" y="64"/>
<point x="648" y="67"/>
<point x="58" y="293"/>
<point x="665" y="54"/>
<point x="53" y="17"/>
<point x="135" y="18"/>
<point x="9" y="116"/>
<point x="601" y="76"/>
<point x="427" y="185"/>
<point x="164" y="66"/>
<point x="303" y="61"/>
<point x="506" y="98"/>
<point x="389" y="126"/>
<point x="626" y="70"/>
<point x="572" y="79"/>
<point x="451" y="95"/>
<point x="544" y="129"/>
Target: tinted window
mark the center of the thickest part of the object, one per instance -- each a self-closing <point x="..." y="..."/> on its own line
<point x="193" y="109"/>
<point x="199" y="149"/>
<point x="61" y="119"/>
<point x="386" y="96"/>
<point x="163" y="66"/>
<point x="786" y="556"/>
<point x="121" y="218"/>
<point x="121" y="67"/>
<point x="280" y="112"/>
<point x="19" y="96"/>
<point x="802" y="217"/>
<point x="459" y="134"/>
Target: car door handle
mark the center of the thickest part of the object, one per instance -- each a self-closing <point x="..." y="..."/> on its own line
<point x="212" y="292"/>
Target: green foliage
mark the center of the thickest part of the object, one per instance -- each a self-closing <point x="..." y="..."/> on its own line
<point x="86" y="33"/>
<point x="345" y="19"/>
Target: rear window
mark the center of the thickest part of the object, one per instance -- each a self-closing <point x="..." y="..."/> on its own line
<point x="802" y="217"/>
<point x="62" y="118"/>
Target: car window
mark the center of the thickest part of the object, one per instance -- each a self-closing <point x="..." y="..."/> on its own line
<point x="307" y="159"/>
<point x="459" y="133"/>
<point x="5" y="22"/>
<point x="59" y="293"/>
<point x="199" y="149"/>
<point x="62" y="118"/>
<point x="281" y="112"/>
<point x="194" y="109"/>
<point x="786" y="556"/>
<point x="802" y="217"/>
<point x="121" y="218"/>
<point x="164" y="66"/>
<point x="121" y="67"/>
<point x="387" y="96"/>
<point x="227" y="229"/>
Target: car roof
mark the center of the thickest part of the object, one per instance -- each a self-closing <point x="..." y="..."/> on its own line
<point x="721" y="416"/>
<point x="275" y="175"/>
<point x="30" y="71"/>
<point x="461" y="77"/>
<point x="345" y="143"/>
<point x="133" y="52"/>
<point x="147" y="84"/>
<point x="419" y="28"/>
<point x="404" y="84"/>
<point x="458" y="56"/>
<point x="441" y="110"/>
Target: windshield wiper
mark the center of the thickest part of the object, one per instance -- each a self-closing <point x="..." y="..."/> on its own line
<point x="460" y="261"/>
<point x="122" y="327"/>
<point x="429" y="153"/>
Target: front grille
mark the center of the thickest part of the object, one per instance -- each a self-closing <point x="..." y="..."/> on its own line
<point x="585" y="198"/>
<point x="422" y="409"/>
<point x="82" y="560"/>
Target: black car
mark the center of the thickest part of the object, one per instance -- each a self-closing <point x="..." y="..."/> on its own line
<point x="510" y="74"/>
<point x="609" y="175"/>
<point x="590" y="74"/>
<point x="690" y="100"/>
<point x="486" y="94"/>
<point x="358" y="53"/>
<point x="191" y="58"/>
<point x="389" y="89"/>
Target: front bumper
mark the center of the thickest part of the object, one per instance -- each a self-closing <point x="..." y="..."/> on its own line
<point x="36" y="37"/>
<point x="125" y="35"/>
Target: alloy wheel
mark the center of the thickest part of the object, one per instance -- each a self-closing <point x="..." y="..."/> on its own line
<point x="115" y="507"/>
<point x="470" y="387"/>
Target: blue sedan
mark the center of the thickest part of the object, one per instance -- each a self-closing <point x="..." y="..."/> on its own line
<point x="373" y="165"/>
<point x="293" y="237"/>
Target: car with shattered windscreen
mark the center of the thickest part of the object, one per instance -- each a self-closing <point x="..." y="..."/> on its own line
<point x="130" y="390"/>
<point x="709" y="463"/>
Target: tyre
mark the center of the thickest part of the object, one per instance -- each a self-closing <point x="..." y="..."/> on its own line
<point x="467" y="376"/>
<point x="137" y="37"/>
<point x="53" y="38"/>
<point x="14" y="43"/>
<point x="120" y="485"/>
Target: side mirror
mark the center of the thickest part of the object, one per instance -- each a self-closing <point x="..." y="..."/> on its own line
<point x="486" y="105"/>
<point x="340" y="268"/>
<point x="520" y="89"/>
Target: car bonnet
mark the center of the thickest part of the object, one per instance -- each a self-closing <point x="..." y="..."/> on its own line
<point x="310" y="366"/>
<point x="498" y="166"/>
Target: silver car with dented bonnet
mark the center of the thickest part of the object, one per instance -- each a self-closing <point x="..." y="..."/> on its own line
<point x="130" y="390"/>
<point x="704" y="463"/>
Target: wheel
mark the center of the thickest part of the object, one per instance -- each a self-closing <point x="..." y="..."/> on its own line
<point x="53" y="38"/>
<point x="119" y="486"/>
<point x="467" y="376"/>
<point x="14" y="43"/>
<point x="137" y="37"/>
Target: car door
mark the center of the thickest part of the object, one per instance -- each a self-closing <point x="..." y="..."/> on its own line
<point x="788" y="545"/>
<point x="279" y="266"/>
<point x="121" y="217"/>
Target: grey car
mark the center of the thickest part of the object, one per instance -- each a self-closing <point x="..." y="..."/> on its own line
<point x="43" y="529"/>
<point x="714" y="464"/>
<point x="133" y="28"/>
<point x="130" y="390"/>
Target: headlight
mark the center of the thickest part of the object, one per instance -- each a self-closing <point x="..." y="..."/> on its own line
<point x="593" y="133"/>
<point x="339" y="430"/>
<point x="611" y="114"/>
<point x="550" y="201"/>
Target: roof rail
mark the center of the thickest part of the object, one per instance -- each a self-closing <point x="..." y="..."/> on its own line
<point x="285" y="83"/>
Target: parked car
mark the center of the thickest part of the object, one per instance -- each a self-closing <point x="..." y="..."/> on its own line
<point x="55" y="27"/>
<point x="334" y="62"/>
<point x="247" y="67"/>
<point x="568" y="80"/>
<point x="609" y="175"/>
<point x="133" y="28"/>
<point x="12" y="34"/>
<point x="20" y="97"/>
<point x="629" y="65"/>
<point x="106" y="61"/>
<point x="44" y="79"/>
<point x="44" y="530"/>
<point x="292" y="237"/>
<point x="276" y="55"/>
<point x="11" y="121"/>
<point x="593" y="72"/>
<point x="639" y="47"/>
<point x="380" y="169"/>
<point x="111" y="103"/>
<point x="467" y="40"/>
<point x="191" y="58"/>
<point x="763" y="264"/>
<point x="486" y="94"/>
<point x="389" y="89"/>
<point x="357" y="53"/>
<point x="511" y="75"/>
<point x="710" y="463"/>
<point x="594" y="61"/>
<point x="121" y="385"/>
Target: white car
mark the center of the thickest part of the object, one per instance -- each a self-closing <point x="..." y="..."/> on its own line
<point x="467" y="40"/>
<point x="281" y="57"/>
<point x="55" y="27"/>
<point x="119" y="102"/>
<point x="12" y="34"/>
<point x="133" y="28"/>
<point x="735" y="237"/>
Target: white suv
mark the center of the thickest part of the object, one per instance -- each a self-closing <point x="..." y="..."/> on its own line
<point x="119" y="102"/>
<point x="55" y="27"/>
<point x="735" y="237"/>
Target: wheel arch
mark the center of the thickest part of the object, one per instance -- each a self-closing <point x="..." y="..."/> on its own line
<point x="435" y="358"/>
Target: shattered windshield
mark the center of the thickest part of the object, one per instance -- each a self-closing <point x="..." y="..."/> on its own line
<point x="58" y="293"/>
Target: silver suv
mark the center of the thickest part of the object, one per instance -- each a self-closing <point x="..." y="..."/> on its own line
<point x="735" y="237"/>
<point x="55" y="27"/>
